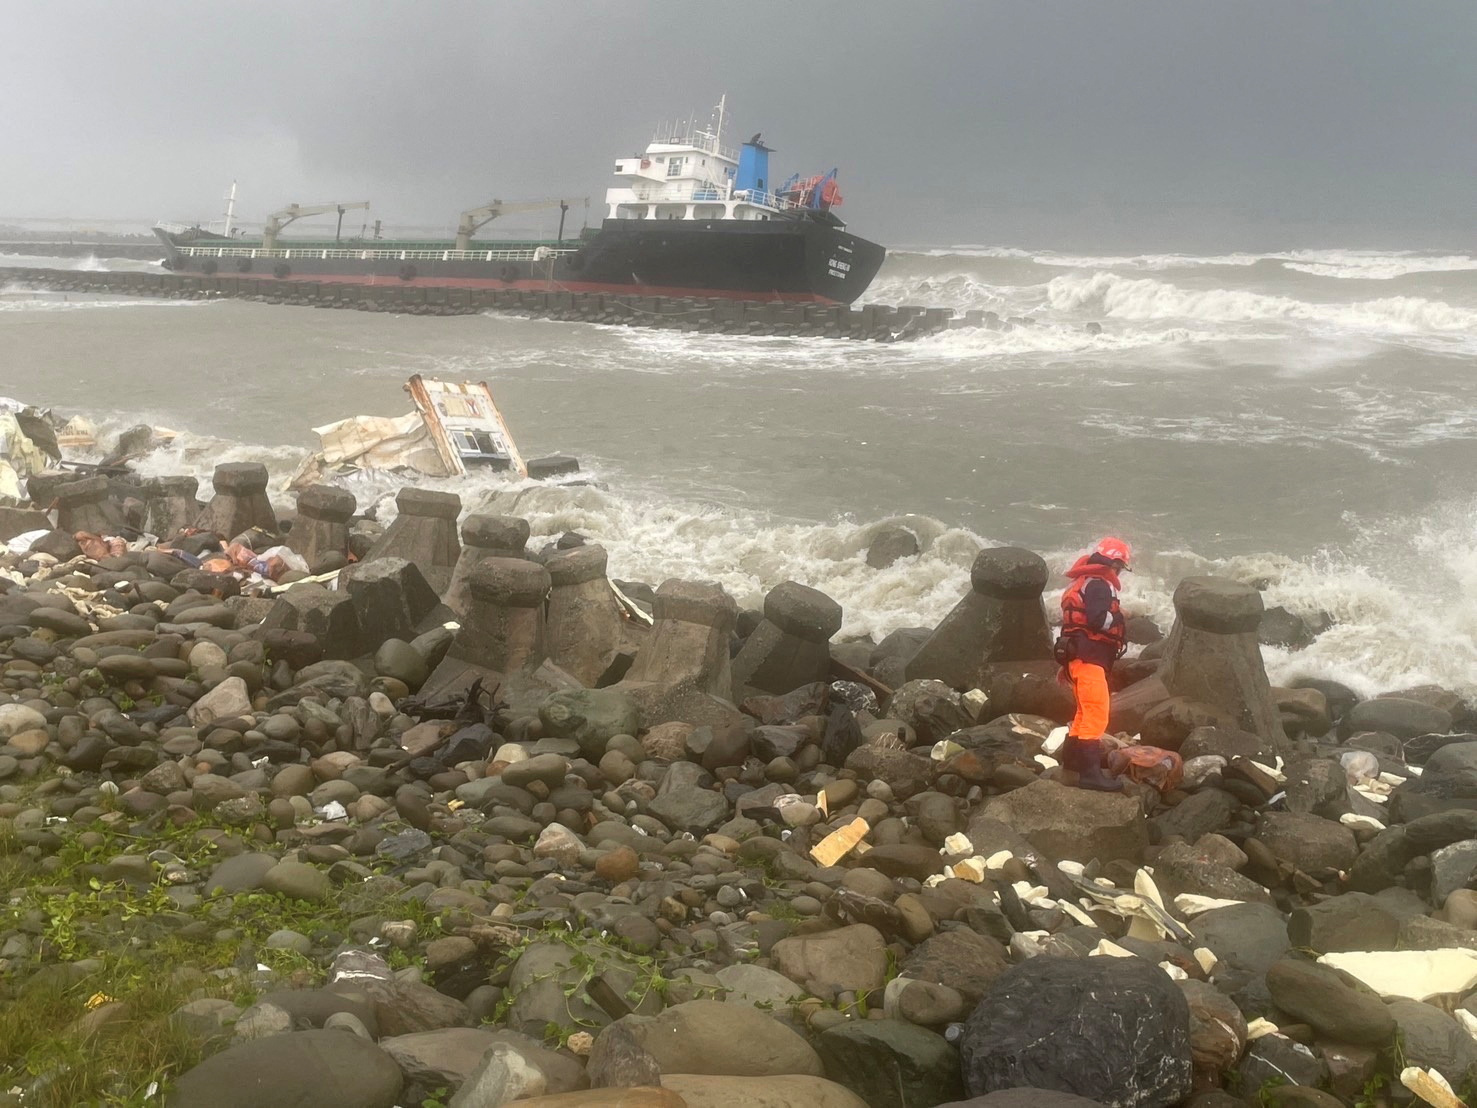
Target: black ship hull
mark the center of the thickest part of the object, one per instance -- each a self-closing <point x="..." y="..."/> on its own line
<point x="801" y="258"/>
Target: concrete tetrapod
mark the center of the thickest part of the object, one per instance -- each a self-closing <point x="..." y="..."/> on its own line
<point x="504" y="625"/>
<point x="484" y="536"/>
<point x="322" y="525"/>
<point x="1001" y="619"/>
<point x="240" y="501"/>
<point x="424" y="533"/>
<point x="791" y="646"/>
<point x="584" y="621"/>
<point x="1213" y="655"/>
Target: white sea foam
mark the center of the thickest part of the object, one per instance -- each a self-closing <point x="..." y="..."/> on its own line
<point x="1403" y="598"/>
<point x="1146" y="298"/>
<point x="1370" y="265"/>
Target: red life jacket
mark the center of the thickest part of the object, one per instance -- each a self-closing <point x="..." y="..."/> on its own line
<point x="1074" y="606"/>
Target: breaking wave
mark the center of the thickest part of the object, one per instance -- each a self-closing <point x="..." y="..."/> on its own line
<point x="1146" y="298"/>
<point x="1368" y="265"/>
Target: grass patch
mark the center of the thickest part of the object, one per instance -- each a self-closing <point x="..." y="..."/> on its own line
<point x="84" y="1013"/>
<point x="102" y="1037"/>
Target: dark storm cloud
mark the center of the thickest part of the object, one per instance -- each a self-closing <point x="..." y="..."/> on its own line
<point x="1081" y="124"/>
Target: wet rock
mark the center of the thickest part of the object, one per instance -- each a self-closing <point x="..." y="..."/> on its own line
<point x="708" y="1036"/>
<point x="501" y="1075"/>
<point x="1405" y="719"/>
<point x="889" y="545"/>
<point x="1065" y="823"/>
<point x="849" y="958"/>
<point x="327" y="1069"/>
<point x="1432" y="1039"/>
<point x="1319" y="996"/>
<point x="783" y="1091"/>
<point x="1217" y="1031"/>
<point x="1309" y="843"/>
<point x="297" y="880"/>
<point x="1353" y="921"/>
<point x="967" y="962"/>
<point x="1275" y="1060"/>
<point x="441" y="1059"/>
<point x="1116" y="1030"/>
<point x="591" y="717"/>
<point x="1247" y="940"/>
<point x="891" y="1064"/>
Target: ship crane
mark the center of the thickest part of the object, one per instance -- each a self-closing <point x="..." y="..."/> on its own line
<point x="475" y="219"/>
<point x="278" y="220"/>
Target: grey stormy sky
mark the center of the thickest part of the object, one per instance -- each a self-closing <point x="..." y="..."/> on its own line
<point x="1078" y="124"/>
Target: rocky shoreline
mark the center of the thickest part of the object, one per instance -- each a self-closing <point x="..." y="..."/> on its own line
<point x="313" y="810"/>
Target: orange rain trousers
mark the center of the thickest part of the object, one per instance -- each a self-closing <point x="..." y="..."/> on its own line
<point x="1090" y="686"/>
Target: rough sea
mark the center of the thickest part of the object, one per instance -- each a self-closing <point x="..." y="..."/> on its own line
<point x="1303" y="420"/>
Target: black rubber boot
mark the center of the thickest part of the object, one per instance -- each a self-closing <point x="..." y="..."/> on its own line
<point x="1090" y="772"/>
<point x="1067" y="756"/>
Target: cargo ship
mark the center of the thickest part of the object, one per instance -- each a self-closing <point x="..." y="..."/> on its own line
<point x="688" y="217"/>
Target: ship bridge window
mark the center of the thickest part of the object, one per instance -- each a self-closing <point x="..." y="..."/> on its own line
<point x="674" y="167"/>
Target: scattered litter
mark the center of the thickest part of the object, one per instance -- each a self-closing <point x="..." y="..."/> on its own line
<point x="1190" y="904"/>
<point x="996" y="862"/>
<point x="958" y="843"/>
<point x="943" y="750"/>
<point x="333" y="811"/>
<point x="1054" y="741"/>
<point x="1206" y="959"/>
<point x="1107" y="948"/>
<point x="1274" y="772"/>
<point x="970" y="869"/>
<point x="838" y="844"/>
<point x="1259" y="1027"/>
<point x="1175" y="973"/>
<point x="1353" y="819"/>
<point x="1431" y="1087"/>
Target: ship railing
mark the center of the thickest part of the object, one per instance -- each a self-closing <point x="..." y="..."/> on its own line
<point x="318" y="253"/>
<point x="767" y="200"/>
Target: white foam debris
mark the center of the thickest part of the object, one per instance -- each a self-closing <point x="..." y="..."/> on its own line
<point x="1045" y="761"/>
<point x="943" y="750"/>
<point x="1467" y="1020"/>
<point x="1072" y="869"/>
<point x="1206" y="959"/>
<point x="1107" y="948"/>
<point x="1143" y="884"/>
<point x="1411" y="974"/>
<point x="1190" y="904"/>
<point x="1274" y="772"/>
<point x="1054" y="741"/>
<point x="1260" y="1027"/>
<point x="996" y="862"/>
<point x="958" y="843"/>
<point x="1430" y="1086"/>
<point x="1353" y="819"/>
<point x="1077" y="913"/>
<point x="1175" y="973"/>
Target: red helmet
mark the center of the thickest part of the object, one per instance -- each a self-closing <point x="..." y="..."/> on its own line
<point x="1115" y="550"/>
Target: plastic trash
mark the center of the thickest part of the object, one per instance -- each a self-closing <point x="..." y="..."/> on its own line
<point x="1360" y="766"/>
<point x="23" y="542"/>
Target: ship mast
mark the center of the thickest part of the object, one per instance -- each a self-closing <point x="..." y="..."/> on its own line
<point x="230" y="209"/>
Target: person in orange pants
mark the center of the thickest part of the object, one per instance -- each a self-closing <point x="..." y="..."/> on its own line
<point x="1092" y="639"/>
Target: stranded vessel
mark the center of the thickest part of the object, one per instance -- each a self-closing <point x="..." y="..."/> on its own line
<point x="688" y="217"/>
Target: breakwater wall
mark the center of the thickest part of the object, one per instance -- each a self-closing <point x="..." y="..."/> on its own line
<point x="876" y="322"/>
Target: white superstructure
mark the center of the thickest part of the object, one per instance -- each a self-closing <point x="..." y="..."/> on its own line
<point x="688" y="173"/>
